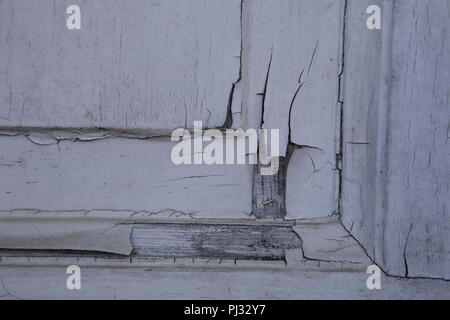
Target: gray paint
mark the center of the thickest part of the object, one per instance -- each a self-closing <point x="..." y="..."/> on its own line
<point x="141" y="73"/>
<point x="187" y="280"/>
<point x="118" y="174"/>
<point x="143" y="64"/>
<point x="360" y="95"/>
<point x="335" y="269"/>
<point x="291" y="61"/>
<point x="311" y="185"/>
<point x="396" y="109"/>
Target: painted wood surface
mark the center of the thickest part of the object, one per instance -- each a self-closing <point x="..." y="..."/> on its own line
<point x="205" y="280"/>
<point x="251" y="64"/>
<point x="336" y="270"/>
<point x="361" y="99"/>
<point x="288" y="45"/>
<point x="397" y="113"/>
<point x="119" y="72"/>
<point x="65" y="233"/>
<point x="118" y="174"/>
<point x="142" y="64"/>
<point x="291" y="63"/>
<point x="311" y="185"/>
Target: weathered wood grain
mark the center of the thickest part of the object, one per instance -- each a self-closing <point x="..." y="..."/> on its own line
<point x="214" y="241"/>
<point x="100" y="232"/>
<point x="37" y="277"/>
<point x="269" y="192"/>
<point x="143" y="64"/>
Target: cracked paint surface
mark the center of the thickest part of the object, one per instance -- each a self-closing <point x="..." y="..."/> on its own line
<point x="359" y="137"/>
<point x="396" y="160"/>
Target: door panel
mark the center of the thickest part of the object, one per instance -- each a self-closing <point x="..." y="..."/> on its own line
<point x="86" y="117"/>
<point x="140" y="64"/>
<point x="119" y="174"/>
